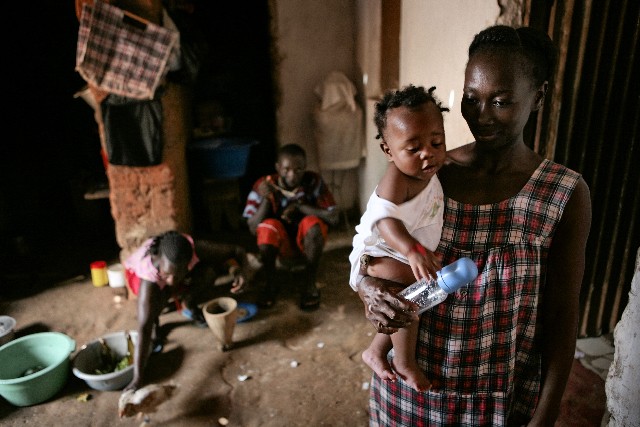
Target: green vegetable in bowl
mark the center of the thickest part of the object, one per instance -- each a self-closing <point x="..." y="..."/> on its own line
<point x="108" y="360"/>
<point x="123" y="363"/>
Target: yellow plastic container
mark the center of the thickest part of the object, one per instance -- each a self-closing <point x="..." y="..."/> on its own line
<point x="99" y="275"/>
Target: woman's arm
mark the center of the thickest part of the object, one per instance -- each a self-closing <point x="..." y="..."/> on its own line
<point x="149" y="308"/>
<point x="560" y="304"/>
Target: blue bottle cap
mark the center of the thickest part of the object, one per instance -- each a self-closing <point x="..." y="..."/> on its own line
<point x="457" y="274"/>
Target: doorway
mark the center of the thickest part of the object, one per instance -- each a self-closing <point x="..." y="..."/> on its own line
<point x="237" y="74"/>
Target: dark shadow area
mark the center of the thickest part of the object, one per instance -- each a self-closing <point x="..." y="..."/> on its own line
<point x="34" y="328"/>
<point x="237" y="86"/>
<point x="202" y="408"/>
<point x="239" y="73"/>
<point x="162" y="366"/>
<point x="49" y="231"/>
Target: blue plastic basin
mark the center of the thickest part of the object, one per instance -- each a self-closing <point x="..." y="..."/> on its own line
<point x="220" y="158"/>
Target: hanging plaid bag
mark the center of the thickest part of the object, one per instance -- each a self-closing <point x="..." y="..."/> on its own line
<point x="122" y="53"/>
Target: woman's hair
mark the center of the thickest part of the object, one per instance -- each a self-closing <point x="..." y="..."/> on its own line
<point x="532" y="45"/>
<point x="175" y="246"/>
<point x="410" y="96"/>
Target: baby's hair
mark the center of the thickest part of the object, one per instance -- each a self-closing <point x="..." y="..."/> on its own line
<point x="533" y="45"/>
<point x="175" y="246"/>
<point x="292" y="150"/>
<point x="409" y="96"/>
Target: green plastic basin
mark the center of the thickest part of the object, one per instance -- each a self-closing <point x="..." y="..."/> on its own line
<point x="49" y="351"/>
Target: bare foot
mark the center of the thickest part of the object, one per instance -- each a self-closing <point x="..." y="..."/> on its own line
<point x="412" y="375"/>
<point x="379" y="364"/>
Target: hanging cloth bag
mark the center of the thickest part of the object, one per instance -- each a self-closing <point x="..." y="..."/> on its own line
<point x="120" y="52"/>
<point x="132" y="131"/>
<point x="339" y="127"/>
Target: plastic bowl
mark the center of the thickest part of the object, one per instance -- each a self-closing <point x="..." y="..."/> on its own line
<point x="47" y="350"/>
<point x="87" y="360"/>
<point x="7" y="329"/>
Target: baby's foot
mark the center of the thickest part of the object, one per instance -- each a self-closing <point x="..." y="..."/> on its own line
<point x="379" y="364"/>
<point x="412" y="375"/>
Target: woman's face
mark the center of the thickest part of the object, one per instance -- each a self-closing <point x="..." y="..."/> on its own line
<point x="170" y="272"/>
<point x="498" y="98"/>
<point x="414" y="140"/>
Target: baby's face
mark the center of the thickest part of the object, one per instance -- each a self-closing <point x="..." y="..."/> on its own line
<point x="414" y="140"/>
<point x="170" y="272"/>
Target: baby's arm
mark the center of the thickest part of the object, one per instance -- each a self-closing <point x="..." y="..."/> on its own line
<point x="423" y="262"/>
<point x="394" y="187"/>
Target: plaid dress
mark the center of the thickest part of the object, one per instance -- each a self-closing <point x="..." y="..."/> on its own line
<point x="479" y="347"/>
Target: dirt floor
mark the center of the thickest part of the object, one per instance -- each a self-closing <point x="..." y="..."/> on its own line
<point x="301" y="369"/>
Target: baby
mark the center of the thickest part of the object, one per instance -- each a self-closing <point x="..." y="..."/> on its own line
<point x="403" y="221"/>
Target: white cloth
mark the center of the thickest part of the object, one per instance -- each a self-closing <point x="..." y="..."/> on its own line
<point x="339" y="126"/>
<point x="422" y="216"/>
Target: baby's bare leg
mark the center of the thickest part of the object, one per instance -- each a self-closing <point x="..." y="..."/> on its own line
<point x="391" y="269"/>
<point x="375" y="356"/>
<point x="404" y="360"/>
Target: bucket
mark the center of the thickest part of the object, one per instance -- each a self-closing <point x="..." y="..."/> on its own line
<point x="221" y="315"/>
<point x="99" y="273"/>
<point x="115" y="274"/>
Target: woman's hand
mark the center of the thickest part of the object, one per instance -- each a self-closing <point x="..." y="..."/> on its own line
<point x="133" y="385"/>
<point x="385" y="310"/>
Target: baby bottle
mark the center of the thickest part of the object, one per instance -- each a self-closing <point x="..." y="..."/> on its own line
<point x="429" y="292"/>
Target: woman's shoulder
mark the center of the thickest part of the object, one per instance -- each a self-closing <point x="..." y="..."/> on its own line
<point x="557" y="168"/>
<point x="459" y="155"/>
<point x="457" y="162"/>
